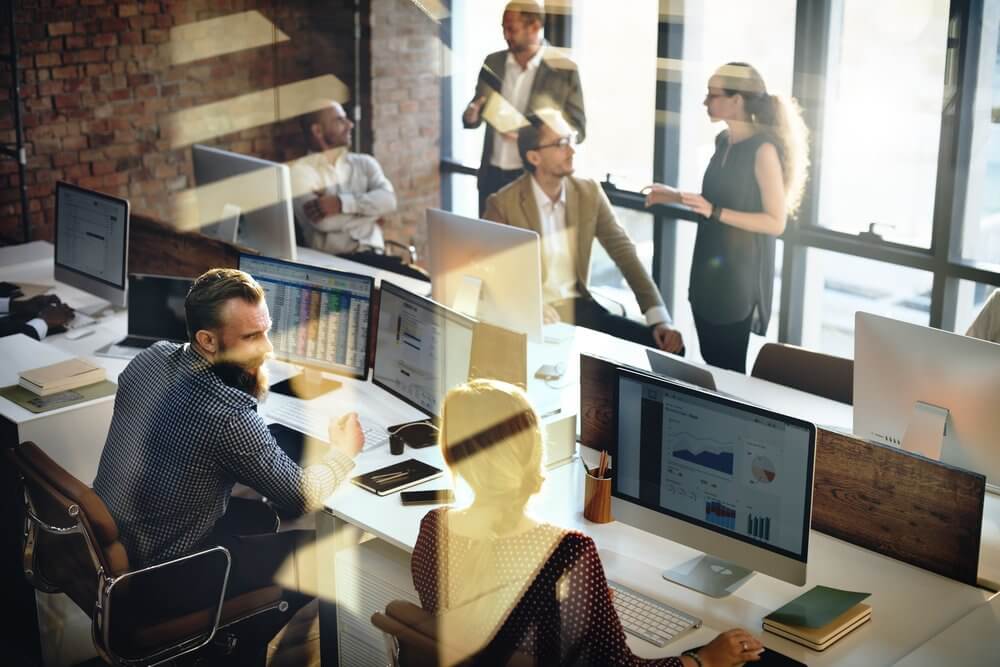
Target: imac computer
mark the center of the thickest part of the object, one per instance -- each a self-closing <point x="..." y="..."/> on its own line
<point x="256" y="192"/>
<point x="729" y="479"/>
<point x="319" y="320"/>
<point x="422" y="349"/>
<point x="486" y="270"/>
<point x="928" y="391"/>
<point x="91" y="243"/>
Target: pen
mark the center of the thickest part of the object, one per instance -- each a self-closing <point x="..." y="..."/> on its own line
<point x="389" y="477"/>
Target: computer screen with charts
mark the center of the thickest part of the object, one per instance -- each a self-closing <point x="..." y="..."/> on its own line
<point x="422" y="349"/>
<point x="91" y="242"/>
<point x="319" y="317"/>
<point x="714" y="473"/>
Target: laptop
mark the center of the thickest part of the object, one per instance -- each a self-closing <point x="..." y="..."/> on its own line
<point x="671" y="367"/>
<point x="155" y="313"/>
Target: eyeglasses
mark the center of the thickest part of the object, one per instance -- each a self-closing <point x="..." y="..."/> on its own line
<point x="712" y="96"/>
<point x="562" y="142"/>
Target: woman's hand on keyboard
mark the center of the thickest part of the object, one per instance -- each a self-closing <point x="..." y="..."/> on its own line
<point x="733" y="647"/>
<point x="346" y="435"/>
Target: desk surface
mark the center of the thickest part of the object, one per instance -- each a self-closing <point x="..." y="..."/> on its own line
<point x="973" y="641"/>
<point x="890" y="636"/>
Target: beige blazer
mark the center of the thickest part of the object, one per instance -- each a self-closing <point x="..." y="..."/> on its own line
<point x="589" y="212"/>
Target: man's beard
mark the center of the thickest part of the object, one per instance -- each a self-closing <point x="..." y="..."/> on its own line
<point x="249" y="378"/>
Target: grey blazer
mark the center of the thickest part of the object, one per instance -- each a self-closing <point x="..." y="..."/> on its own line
<point x="590" y="212"/>
<point x="556" y="85"/>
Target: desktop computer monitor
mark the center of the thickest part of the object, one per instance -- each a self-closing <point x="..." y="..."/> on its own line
<point x="422" y="349"/>
<point x="319" y="320"/>
<point x="256" y="190"/>
<point x="729" y="479"/>
<point x="486" y="270"/>
<point x="928" y="391"/>
<point x="91" y="242"/>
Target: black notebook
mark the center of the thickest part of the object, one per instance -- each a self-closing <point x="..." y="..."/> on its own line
<point x="397" y="477"/>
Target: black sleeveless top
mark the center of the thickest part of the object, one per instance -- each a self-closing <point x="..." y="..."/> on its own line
<point x="732" y="272"/>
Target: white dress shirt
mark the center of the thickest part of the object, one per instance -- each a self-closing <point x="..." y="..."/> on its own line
<point x="517" y="84"/>
<point x="36" y="323"/>
<point x="365" y="195"/>
<point x="558" y="246"/>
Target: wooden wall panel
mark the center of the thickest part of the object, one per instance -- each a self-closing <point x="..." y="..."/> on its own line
<point x="893" y="502"/>
<point x="160" y="249"/>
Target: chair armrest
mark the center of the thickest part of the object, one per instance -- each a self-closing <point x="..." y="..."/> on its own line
<point x="159" y="593"/>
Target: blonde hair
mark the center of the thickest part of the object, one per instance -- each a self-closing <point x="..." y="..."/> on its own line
<point x="780" y="118"/>
<point x="490" y="437"/>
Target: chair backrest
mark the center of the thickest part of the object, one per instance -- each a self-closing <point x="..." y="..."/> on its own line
<point x="84" y="543"/>
<point x="813" y="372"/>
<point x="416" y="639"/>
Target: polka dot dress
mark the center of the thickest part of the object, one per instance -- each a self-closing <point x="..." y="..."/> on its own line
<point x="547" y="594"/>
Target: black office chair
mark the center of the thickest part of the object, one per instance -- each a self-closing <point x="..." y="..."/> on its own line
<point x="806" y="370"/>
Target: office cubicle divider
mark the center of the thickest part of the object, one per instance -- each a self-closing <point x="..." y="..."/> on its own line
<point x="902" y="505"/>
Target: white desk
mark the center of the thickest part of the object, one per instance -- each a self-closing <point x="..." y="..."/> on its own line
<point x="910" y="604"/>
<point x="974" y="641"/>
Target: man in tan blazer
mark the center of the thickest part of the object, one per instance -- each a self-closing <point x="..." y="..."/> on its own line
<point x="569" y="213"/>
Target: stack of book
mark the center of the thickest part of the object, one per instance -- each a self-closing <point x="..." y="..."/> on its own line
<point x="60" y="377"/>
<point x="820" y="617"/>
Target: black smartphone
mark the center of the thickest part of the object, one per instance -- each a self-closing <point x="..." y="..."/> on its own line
<point x="427" y="497"/>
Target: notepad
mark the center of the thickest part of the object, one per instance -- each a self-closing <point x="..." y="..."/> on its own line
<point x="62" y="376"/>
<point x="397" y="477"/>
<point x="819" y="617"/>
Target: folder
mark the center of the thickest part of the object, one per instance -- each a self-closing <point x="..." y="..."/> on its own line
<point x="62" y="376"/>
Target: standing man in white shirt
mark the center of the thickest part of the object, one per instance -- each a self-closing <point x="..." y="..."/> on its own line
<point x="339" y="195"/>
<point x="569" y="213"/>
<point x="515" y="83"/>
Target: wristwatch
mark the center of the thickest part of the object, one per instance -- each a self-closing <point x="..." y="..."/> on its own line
<point x="693" y="654"/>
<point x="716" y="213"/>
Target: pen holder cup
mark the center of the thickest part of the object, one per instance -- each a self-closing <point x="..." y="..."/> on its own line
<point x="597" y="499"/>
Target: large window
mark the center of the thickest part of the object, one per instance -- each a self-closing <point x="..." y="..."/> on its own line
<point x="902" y="99"/>
<point x="882" y="122"/>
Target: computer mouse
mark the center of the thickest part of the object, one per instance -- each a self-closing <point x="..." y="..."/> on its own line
<point x="73" y="334"/>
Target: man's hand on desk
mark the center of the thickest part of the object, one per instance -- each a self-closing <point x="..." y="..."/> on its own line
<point x="323" y="206"/>
<point x="550" y="315"/>
<point x="667" y="339"/>
<point x="56" y="316"/>
<point x="346" y="435"/>
<point x="34" y="306"/>
<point x="9" y="291"/>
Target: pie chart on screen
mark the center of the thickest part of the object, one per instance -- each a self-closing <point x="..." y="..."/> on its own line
<point x="762" y="470"/>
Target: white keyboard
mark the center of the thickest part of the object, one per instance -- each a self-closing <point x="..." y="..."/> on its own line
<point x="295" y="415"/>
<point x="649" y="619"/>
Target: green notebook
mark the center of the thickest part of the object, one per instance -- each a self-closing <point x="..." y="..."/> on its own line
<point x="816" y="607"/>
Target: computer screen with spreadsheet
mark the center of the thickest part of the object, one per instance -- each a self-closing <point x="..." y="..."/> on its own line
<point x="319" y="317"/>
<point x="714" y="473"/>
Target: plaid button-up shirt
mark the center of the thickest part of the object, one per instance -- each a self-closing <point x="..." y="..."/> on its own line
<point x="180" y="439"/>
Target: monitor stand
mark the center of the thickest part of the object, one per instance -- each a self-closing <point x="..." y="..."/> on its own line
<point x="307" y="385"/>
<point x="711" y="576"/>
<point x="926" y="430"/>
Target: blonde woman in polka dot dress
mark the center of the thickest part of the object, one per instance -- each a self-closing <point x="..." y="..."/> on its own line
<point x="503" y="583"/>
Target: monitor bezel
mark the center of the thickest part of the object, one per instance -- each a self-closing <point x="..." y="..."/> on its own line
<point x="336" y="370"/>
<point x="667" y="383"/>
<point x="123" y="284"/>
<point x="130" y="325"/>
<point x="439" y="311"/>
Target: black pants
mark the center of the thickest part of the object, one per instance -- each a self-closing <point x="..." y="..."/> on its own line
<point x="584" y="312"/>
<point x="492" y="180"/>
<point x="258" y="553"/>
<point x="724" y="345"/>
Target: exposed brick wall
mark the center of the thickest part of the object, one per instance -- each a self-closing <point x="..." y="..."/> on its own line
<point x="99" y="89"/>
<point x="406" y="109"/>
